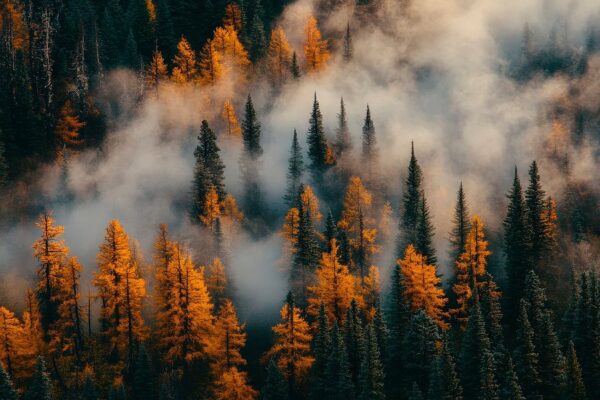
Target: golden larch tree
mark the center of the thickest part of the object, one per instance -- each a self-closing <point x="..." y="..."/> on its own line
<point x="315" y="48"/>
<point x="16" y="351"/>
<point x="184" y="63"/>
<point x="291" y="349"/>
<point x="216" y="281"/>
<point x="471" y="268"/>
<point x="230" y="120"/>
<point x="211" y="69"/>
<point x="358" y="224"/>
<point x="51" y="253"/>
<point x="290" y="228"/>
<point x="151" y="9"/>
<point x="279" y="55"/>
<point x="68" y="126"/>
<point x="121" y="290"/>
<point x="156" y="73"/>
<point x="233" y="54"/>
<point x="32" y="321"/>
<point x="423" y="287"/>
<point x="228" y="339"/>
<point x="310" y="203"/>
<point x="335" y="287"/>
<point x="211" y="209"/>
<point x="369" y="292"/>
<point x="233" y="385"/>
<point x="233" y="17"/>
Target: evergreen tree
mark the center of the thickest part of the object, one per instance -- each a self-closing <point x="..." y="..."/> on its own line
<point x="117" y="393"/>
<point x="354" y="339"/>
<point x="295" y="171"/>
<point x="337" y="373"/>
<point x="461" y="225"/>
<point x="306" y="254"/>
<point x="552" y="364"/>
<point x="40" y="387"/>
<point x="347" y="44"/>
<point x="88" y="391"/>
<point x="321" y="346"/>
<point x="488" y="388"/>
<point x="398" y="320"/>
<point x="492" y="312"/>
<point x="419" y="349"/>
<point x="526" y="356"/>
<point x="165" y="31"/>
<point x="535" y="203"/>
<point x="516" y="247"/>
<point x="7" y="391"/>
<point x="251" y="131"/>
<point x="371" y="376"/>
<point x="381" y="331"/>
<point x="201" y="186"/>
<point x="317" y="143"/>
<point x="510" y="390"/>
<point x="343" y="141"/>
<point x="131" y="57"/>
<point x="144" y="383"/>
<point x="415" y="393"/>
<point x="207" y="150"/>
<point x="331" y="231"/>
<point x="411" y="204"/>
<point x="443" y="382"/>
<point x="575" y="386"/>
<point x="425" y="232"/>
<point x="256" y="35"/>
<point x="370" y="155"/>
<point x="295" y="68"/>
<point x="275" y="385"/>
<point x="3" y="164"/>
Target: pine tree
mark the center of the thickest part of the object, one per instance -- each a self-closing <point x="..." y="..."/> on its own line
<point x="337" y="374"/>
<point x="422" y="286"/>
<point x="291" y="348"/>
<point x="419" y="349"/>
<point x="526" y="356"/>
<point x="425" y="232"/>
<point x="411" y="201"/>
<point x="371" y="376"/>
<point x="347" y="44"/>
<point x="399" y="318"/>
<point x="370" y="155"/>
<point x="492" y="313"/>
<point x="208" y="151"/>
<point x="251" y="131"/>
<point x="279" y="56"/>
<point x="7" y="391"/>
<point x="317" y="143"/>
<point x="321" y="346"/>
<point x="343" y="141"/>
<point x="356" y="221"/>
<point x="335" y="287"/>
<point x="275" y="387"/>
<point x="130" y="58"/>
<point x="510" y="390"/>
<point x="516" y="247"/>
<point x="315" y="48"/>
<point x="295" y="172"/>
<point x="295" y="68"/>
<point x="535" y="203"/>
<point x="354" y="339"/>
<point x="575" y="386"/>
<point x="39" y="388"/>
<point x="144" y="378"/>
<point x="444" y="382"/>
<point x="184" y="63"/>
<point x="461" y="225"/>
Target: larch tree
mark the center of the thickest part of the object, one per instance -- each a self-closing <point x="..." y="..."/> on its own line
<point x="357" y="222"/>
<point x="228" y="339"/>
<point x="233" y="16"/>
<point x="211" y="68"/>
<point x="334" y="288"/>
<point x="185" y="67"/>
<point x="68" y="127"/>
<point x="216" y="281"/>
<point x="232" y="126"/>
<point x="471" y="268"/>
<point x="156" y="72"/>
<point x="121" y="290"/>
<point x="423" y="286"/>
<point x="51" y="253"/>
<point x="211" y="210"/>
<point x="411" y="200"/>
<point x="15" y="347"/>
<point x="316" y="53"/>
<point x="279" y="56"/>
<point x="291" y="349"/>
<point x="233" y="385"/>
<point x="234" y="56"/>
<point x="294" y="172"/>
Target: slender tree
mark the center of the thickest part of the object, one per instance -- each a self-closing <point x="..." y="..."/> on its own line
<point x="295" y="171"/>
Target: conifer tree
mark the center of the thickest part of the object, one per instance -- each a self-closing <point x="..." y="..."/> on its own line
<point x="231" y="53"/>
<point x="422" y="286"/>
<point x="295" y="68"/>
<point x="39" y="388"/>
<point x="156" y="73"/>
<point x="216" y="282"/>
<point x="256" y="34"/>
<point x="251" y="131"/>
<point x="121" y="291"/>
<point x="130" y="58"/>
<point x="317" y="143"/>
<point x="68" y="127"/>
<point x="337" y="373"/>
<point x="516" y="246"/>
<point x="575" y="385"/>
<point x="444" y="382"/>
<point x="371" y="376"/>
<point x="3" y="164"/>
<point x="335" y="287"/>
<point x="552" y="364"/>
<point x="210" y="65"/>
<point x="208" y="150"/>
<point x="7" y="391"/>
<point x="526" y="356"/>
<point x="411" y="200"/>
<point x="358" y="224"/>
<point x="492" y="314"/>
<point x="144" y="379"/>
<point x="425" y="232"/>
<point x="535" y="203"/>
<point x="88" y="391"/>
<point x="370" y="154"/>
<point x="461" y="225"/>
<point x="343" y="141"/>
<point x="331" y="231"/>
<point x="294" y="172"/>
<point x="233" y="384"/>
<point x="275" y="387"/>
<point x="354" y="339"/>
<point x="165" y="33"/>
<point x="233" y="16"/>
<point x="419" y="349"/>
<point x="228" y="340"/>
<point x="291" y="348"/>
<point x="316" y="53"/>
<point x="15" y="348"/>
<point x="415" y="393"/>
<point x="510" y="389"/>
<point x="471" y="268"/>
<point x="230" y="120"/>
<point x="347" y="44"/>
<point x="184" y="63"/>
<point x="321" y="347"/>
<point x="488" y="388"/>
<point x="399" y="318"/>
<point x="381" y="331"/>
<point x="279" y="55"/>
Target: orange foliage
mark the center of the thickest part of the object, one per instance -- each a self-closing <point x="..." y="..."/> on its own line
<point x="184" y="70"/>
<point x="68" y="126"/>
<point x="233" y="16"/>
<point x="230" y="120"/>
<point x="279" y="55"/>
<point x="315" y="48"/>
<point x="233" y="385"/>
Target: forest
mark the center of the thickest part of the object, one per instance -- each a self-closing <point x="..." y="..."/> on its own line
<point x="299" y="199"/>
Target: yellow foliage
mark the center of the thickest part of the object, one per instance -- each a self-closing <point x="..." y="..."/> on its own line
<point x="32" y="321"/>
<point x="228" y="339"/>
<point x="212" y="208"/>
<point x="230" y="209"/>
<point x="16" y="351"/>
<point x="233" y="385"/>
<point x="470" y="269"/>
<point x="12" y="19"/>
<point x="315" y="48"/>
<point x="233" y="16"/>
<point x="216" y="280"/>
<point x="292" y="343"/>
<point x="423" y="286"/>
<point x="290" y="228"/>
<point x="211" y="69"/>
<point x="184" y="70"/>
<point x="370" y="292"/>
<point x="151" y="8"/>
<point x="156" y="73"/>
<point x="230" y="120"/>
<point x="335" y="287"/>
<point x="309" y="202"/>
<point x="68" y="126"/>
<point x="279" y="55"/>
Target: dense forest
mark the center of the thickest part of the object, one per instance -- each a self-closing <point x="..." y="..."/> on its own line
<point x="282" y="200"/>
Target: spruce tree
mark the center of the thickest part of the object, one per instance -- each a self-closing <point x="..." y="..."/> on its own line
<point x="131" y="57"/>
<point x="201" y="185"/>
<point x="526" y="356"/>
<point x="443" y="381"/>
<point x="516" y="248"/>
<point x="488" y="387"/>
<point x="321" y="345"/>
<point x="575" y="386"/>
<point x="275" y="387"/>
<point x="295" y="68"/>
<point x="343" y="141"/>
<point x="306" y="255"/>
<point x="411" y="201"/>
<point x="419" y="349"/>
<point x="552" y="364"/>
<point x="381" y="330"/>
<point x="371" y="375"/>
<point x="144" y="378"/>
<point x="39" y="388"/>
<point x="535" y="199"/>
<point x="425" y="232"/>
<point x="117" y="393"/>
<point x="208" y="150"/>
<point x="461" y="225"/>
<point x="294" y="173"/>
<point x="510" y="388"/>
<point x="331" y="231"/>
<point x="165" y="31"/>
<point x="251" y="131"/>
<point x="317" y="143"/>
<point x="7" y="391"/>
<point x="369" y="140"/>
<point x="256" y="35"/>
<point x="347" y="44"/>
<point x="337" y="374"/>
<point x="492" y="312"/>
<point x="354" y="339"/>
<point x="398" y="320"/>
